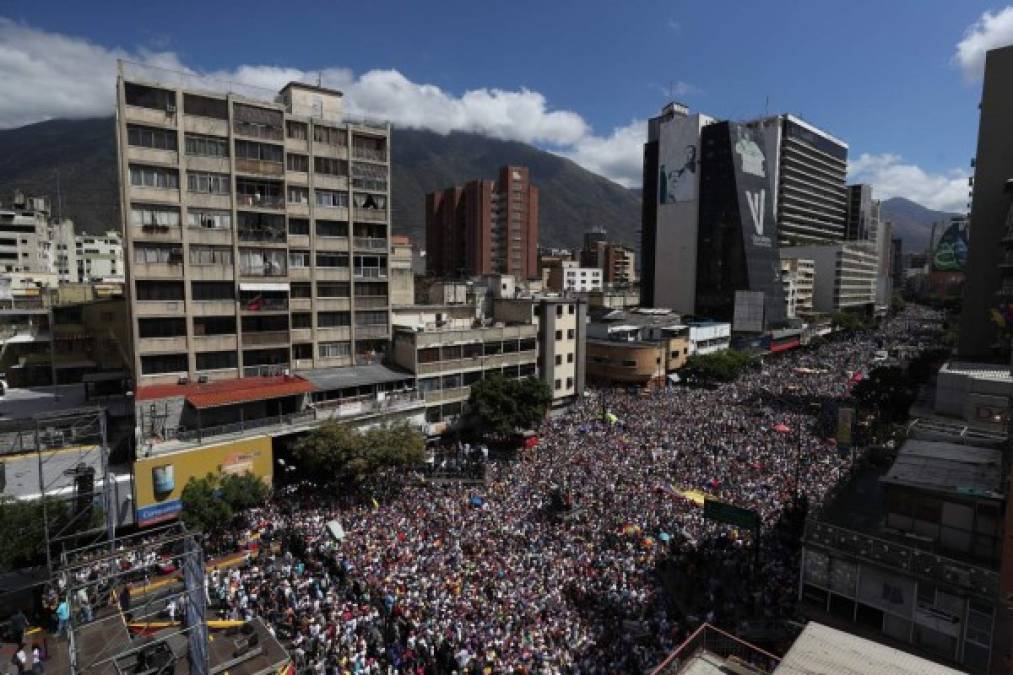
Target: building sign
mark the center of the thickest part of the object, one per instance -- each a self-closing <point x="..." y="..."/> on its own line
<point x="159" y="481"/>
<point x="950" y="254"/>
<point x="755" y="187"/>
<point x="723" y="512"/>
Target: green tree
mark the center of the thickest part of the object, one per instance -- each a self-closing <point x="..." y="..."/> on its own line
<point x="723" y="366"/>
<point x="499" y="406"/>
<point x="243" y="491"/>
<point x="204" y="510"/>
<point x="334" y="452"/>
<point x="22" y="529"/>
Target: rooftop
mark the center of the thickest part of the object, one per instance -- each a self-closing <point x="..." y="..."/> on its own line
<point x="981" y="371"/>
<point x="828" y="651"/>
<point x="325" y="379"/>
<point x="948" y="467"/>
<point x="228" y="392"/>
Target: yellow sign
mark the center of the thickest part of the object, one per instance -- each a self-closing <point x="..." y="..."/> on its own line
<point x="159" y="481"/>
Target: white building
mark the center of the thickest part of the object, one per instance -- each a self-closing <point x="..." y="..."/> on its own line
<point x="581" y="279"/>
<point x="797" y="277"/>
<point x="25" y="241"/>
<point x="99" y="257"/>
<point x="845" y="275"/>
<point x="709" y="337"/>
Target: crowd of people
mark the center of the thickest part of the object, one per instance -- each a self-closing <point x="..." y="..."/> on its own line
<point x="484" y="578"/>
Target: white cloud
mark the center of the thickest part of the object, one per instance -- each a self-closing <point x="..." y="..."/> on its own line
<point x="988" y="32"/>
<point x="619" y="156"/>
<point x="891" y="176"/>
<point x="674" y="25"/>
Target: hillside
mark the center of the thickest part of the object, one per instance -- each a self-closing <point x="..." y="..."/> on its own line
<point x="912" y="222"/>
<point x="82" y="152"/>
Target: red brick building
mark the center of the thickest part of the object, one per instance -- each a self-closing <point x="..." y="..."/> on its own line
<point x="484" y="227"/>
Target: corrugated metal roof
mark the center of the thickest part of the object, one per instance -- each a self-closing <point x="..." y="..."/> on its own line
<point x="821" y="650"/>
<point x="327" y="379"/>
<point x="948" y="467"/>
<point x="228" y="392"/>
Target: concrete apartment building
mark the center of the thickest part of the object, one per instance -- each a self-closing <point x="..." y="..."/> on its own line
<point x="567" y="276"/>
<point x="256" y="229"/>
<point x="484" y="227"/>
<point x="639" y="347"/>
<point x="845" y="275"/>
<point x="990" y="207"/>
<point x="799" y="274"/>
<point x="402" y="277"/>
<point x="99" y="257"/>
<point x="616" y="261"/>
<point x="25" y="236"/>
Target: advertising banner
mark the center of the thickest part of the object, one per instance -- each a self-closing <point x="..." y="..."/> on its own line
<point x="950" y="254"/>
<point x="754" y="182"/>
<point x="678" y="160"/>
<point x="159" y="481"/>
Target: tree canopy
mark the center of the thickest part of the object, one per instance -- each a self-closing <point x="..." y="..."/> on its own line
<point x="499" y="406"/>
<point x="335" y="452"/>
<point x="722" y="366"/>
<point x="211" y="503"/>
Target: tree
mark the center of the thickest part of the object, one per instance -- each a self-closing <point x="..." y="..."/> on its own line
<point x="211" y="503"/>
<point x="848" y="321"/>
<point x="243" y="491"/>
<point x="334" y="452"/>
<point x="723" y="366"/>
<point x="499" y="406"/>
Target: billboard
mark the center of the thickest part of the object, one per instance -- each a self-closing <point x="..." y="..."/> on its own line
<point x="950" y="253"/>
<point x="755" y="190"/>
<point x="159" y="481"/>
<point x="678" y="160"/>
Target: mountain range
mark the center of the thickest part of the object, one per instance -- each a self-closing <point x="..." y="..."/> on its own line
<point x="74" y="162"/>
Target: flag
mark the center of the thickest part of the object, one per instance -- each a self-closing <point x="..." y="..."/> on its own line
<point x="376" y="504"/>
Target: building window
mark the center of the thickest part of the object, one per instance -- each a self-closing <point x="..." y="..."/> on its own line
<point x="298" y="195"/>
<point x="302" y="320"/>
<point x="154" y="177"/>
<point x="159" y="291"/>
<point x="266" y="262"/>
<point x="203" y="106"/>
<point x="261" y="152"/>
<point x="208" y="183"/>
<point x="163" y="363"/>
<point x="151" y="137"/>
<point x="559" y="335"/>
<point x="211" y="255"/>
<point x="213" y="290"/>
<point x="331" y="198"/>
<point x="303" y="350"/>
<point x="331" y="289"/>
<point x="301" y="290"/>
<point x="332" y="260"/>
<point x="298" y="259"/>
<point x="329" y="135"/>
<point x="166" y="254"/>
<point x="371" y="318"/>
<point x="333" y="319"/>
<point x="296" y="130"/>
<point x="331" y="228"/>
<point x="559" y="359"/>
<point x="298" y="226"/>
<point x="206" y="146"/>
<point x="570" y="309"/>
<point x="330" y="166"/>
<point x="214" y="325"/>
<point x="334" y="349"/>
<point x="569" y="358"/>
<point x="295" y="162"/>
<point x="571" y="333"/>
<point x="149" y="215"/>
<point x="161" y="328"/>
<point x="559" y="384"/>
<point x="216" y="360"/>
<point x="569" y="383"/>
<point x="208" y="219"/>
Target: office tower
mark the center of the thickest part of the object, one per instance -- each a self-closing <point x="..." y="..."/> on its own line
<point x="670" y="211"/>
<point x="256" y="228"/>
<point x="845" y="275"/>
<point x="860" y="226"/>
<point x="484" y="227"/>
<point x="738" y="273"/>
<point x="993" y="167"/>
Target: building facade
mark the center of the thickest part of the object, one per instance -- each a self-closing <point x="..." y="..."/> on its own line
<point x="845" y="275"/>
<point x="402" y="277"/>
<point x="484" y="227"/>
<point x="568" y="277"/>
<point x="801" y="274"/>
<point x="98" y="258"/>
<point x="256" y="230"/>
<point x="26" y="241"/>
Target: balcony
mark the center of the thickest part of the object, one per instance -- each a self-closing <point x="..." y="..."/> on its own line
<point x="369" y="154"/>
<point x="263" y="305"/>
<point x="152" y="156"/>
<point x="332" y="243"/>
<point x="213" y="307"/>
<point x="208" y="164"/>
<point x="326" y="181"/>
<point x="298" y="209"/>
<point x="330" y="212"/>
<point x="159" y="308"/>
<point x="354" y="406"/>
<point x="150" y="116"/>
<point x="206" y="126"/>
<point x="334" y="361"/>
<point x="370" y="272"/>
<point x="297" y="178"/>
<point x="334" y="334"/>
<point x="203" y="200"/>
<point x="447" y="395"/>
<point x="207" y="235"/>
<point x="374" y="331"/>
<point x="302" y="364"/>
<point x="371" y="243"/>
<point x="263" y="235"/>
<point x="298" y="241"/>
<point x="162" y="345"/>
<point x="153" y="195"/>
<point x="300" y="304"/>
<point x="370" y="215"/>
<point x="302" y="335"/>
<point x="299" y="273"/>
<point x="261" y="201"/>
<point x="259" y="167"/>
<point x="211" y="272"/>
<point x="214" y="343"/>
<point x="267" y="370"/>
<point x="271" y="338"/>
<point x="321" y="149"/>
<point x="300" y="145"/>
<point x="333" y="304"/>
<point x="158" y="270"/>
<point x="332" y="274"/>
<point x="371" y="302"/>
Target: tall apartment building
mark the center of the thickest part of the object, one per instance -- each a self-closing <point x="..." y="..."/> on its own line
<point x="25" y="236"/>
<point x="256" y="227"/>
<point x="616" y="261"/>
<point x="484" y="227"/>
<point x="990" y="208"/>
<point x="810" y="168"/>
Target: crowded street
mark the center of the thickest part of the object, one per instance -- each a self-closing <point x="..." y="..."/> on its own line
<point x="493" y="578"/>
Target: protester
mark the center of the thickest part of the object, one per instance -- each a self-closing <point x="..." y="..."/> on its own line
<point x="492" y="579"/>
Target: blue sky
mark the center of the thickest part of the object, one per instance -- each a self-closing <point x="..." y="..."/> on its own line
<point x="578" y="78"/>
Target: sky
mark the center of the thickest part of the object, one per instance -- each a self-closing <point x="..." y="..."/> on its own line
<point x="899" y="81"/>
